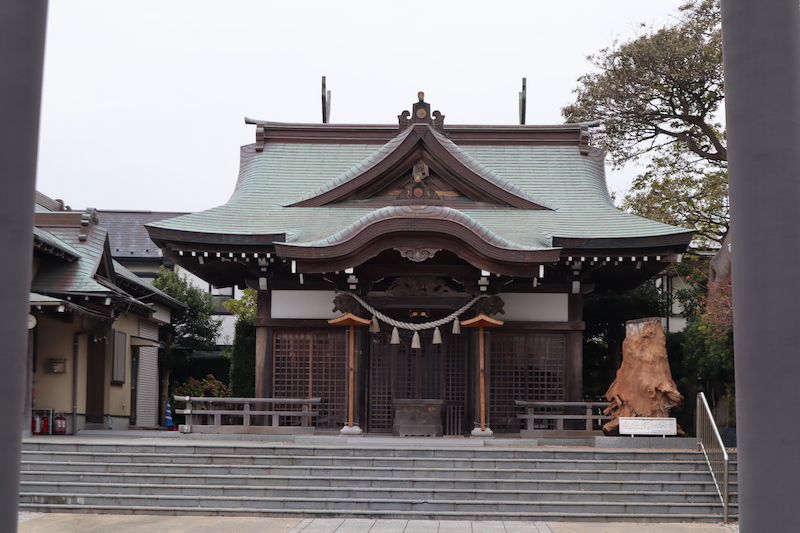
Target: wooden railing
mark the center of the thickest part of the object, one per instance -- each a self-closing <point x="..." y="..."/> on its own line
<point x="247" y="415"/>
<point x="710" y="443"/>
<point x="547" y="418"/>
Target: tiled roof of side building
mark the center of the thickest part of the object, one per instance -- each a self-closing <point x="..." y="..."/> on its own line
<point x="145" y="290"/>
<point x="44" y="239"/>
<point x="127" y="235"/>
<point x="77" y="276"/>
<point x="44" y="203"/>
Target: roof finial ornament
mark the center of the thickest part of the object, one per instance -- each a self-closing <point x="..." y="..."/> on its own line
<point x="422" y="110"/>
<point x="421" y="114"/>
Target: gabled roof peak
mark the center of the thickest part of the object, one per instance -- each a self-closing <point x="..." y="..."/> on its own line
<point x="420" y="144"/>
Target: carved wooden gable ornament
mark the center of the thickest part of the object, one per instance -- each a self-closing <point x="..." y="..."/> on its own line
<point x="419" y="166"/>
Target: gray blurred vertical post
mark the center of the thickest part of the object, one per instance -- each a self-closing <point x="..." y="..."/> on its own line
<point x="22" y="34"/>
<point x="761" y="46"/>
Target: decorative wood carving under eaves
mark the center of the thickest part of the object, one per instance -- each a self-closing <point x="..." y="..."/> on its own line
<point x="344" y="303"/>
<point x="419" y="286"/>
<point x="416" y="254"/>
<point x="490" y="306"/>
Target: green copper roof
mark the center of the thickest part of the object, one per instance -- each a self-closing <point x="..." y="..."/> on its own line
<point x="568" y="182"/>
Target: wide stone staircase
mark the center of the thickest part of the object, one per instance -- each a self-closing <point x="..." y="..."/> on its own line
<point x="421" y="481"/>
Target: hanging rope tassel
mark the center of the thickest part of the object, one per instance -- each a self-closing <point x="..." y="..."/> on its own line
<point x="437" y="336"/>
<point x="395" y="337"/>
<point x="415" y="341"/>
<point x="374" y="327"/>
<point x="456" y="326"/>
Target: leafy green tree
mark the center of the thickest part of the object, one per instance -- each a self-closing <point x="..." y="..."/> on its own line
<point x="243" y="360"/>
<point x="244" y="307"/>
<point x="243" y="354"/>
<point x="657" y="98"/>
<point x="684" y="192"/>
<point x="196" y="329"/>
<point x="707" y="354"/>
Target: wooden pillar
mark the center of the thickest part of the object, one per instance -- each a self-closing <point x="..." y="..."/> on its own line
<point x="481" y="322"/>
<point x="475" y="376"/>
<point x="573" y="365"/>
<point x="351" y="376"/>
<point x="264" y="355"/>
<point x="351" y="321"/>
<point x="362" y="367"/>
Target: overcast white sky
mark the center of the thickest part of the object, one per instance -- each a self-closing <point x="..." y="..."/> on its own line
<point x="144" y="100"/>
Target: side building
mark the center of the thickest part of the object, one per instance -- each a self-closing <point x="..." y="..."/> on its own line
<point x="418" y="227"/>
<point x="93" y="341"/>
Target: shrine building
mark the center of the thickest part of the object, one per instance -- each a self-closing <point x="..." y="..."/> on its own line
<point x="419" y="230"/>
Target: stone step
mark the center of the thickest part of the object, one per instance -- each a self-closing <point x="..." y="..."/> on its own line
<point x="559" y="515"/>
<point x="379" y="471"/>
<point x="258" y="480"/>
<point x="416" y="452"/>
<point x="696" y="463"/>
<point x="273" y="479"/>
<point x="374" y="492"/>
<point x="283" y="504"/>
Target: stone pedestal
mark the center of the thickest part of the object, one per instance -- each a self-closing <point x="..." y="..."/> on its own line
<point x="351" y="430"/>
<point x="478" y="432"/>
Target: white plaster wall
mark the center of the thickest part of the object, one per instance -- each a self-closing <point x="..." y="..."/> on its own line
<point x="538" y="307"/>
<point x="303" y="304"/>
<point x="162" y="313"/>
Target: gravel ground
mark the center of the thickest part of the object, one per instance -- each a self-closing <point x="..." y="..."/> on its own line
<point x="25" y="515"/>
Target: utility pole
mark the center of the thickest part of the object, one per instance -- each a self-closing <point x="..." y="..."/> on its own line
<point x="761" y="49"/>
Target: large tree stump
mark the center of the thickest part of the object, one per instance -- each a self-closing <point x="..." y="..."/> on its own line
<point x="644" y="385"/>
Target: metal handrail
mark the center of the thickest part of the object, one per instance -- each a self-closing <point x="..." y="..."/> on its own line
<point x="710" y="443"/>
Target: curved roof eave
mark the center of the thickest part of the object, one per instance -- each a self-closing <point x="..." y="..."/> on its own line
<point x="415" y="219"/>
<point x="161" y="236"/>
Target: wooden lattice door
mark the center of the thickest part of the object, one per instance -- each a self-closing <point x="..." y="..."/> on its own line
<point x="434" y="371"/>
<point x="523" y="366"/>
<point x="312" y="364"/>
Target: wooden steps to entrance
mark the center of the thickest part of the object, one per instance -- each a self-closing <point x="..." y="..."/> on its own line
<point x="180" y="477"/>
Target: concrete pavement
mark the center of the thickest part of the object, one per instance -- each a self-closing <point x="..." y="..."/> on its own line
<point x="85" y="523"/>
